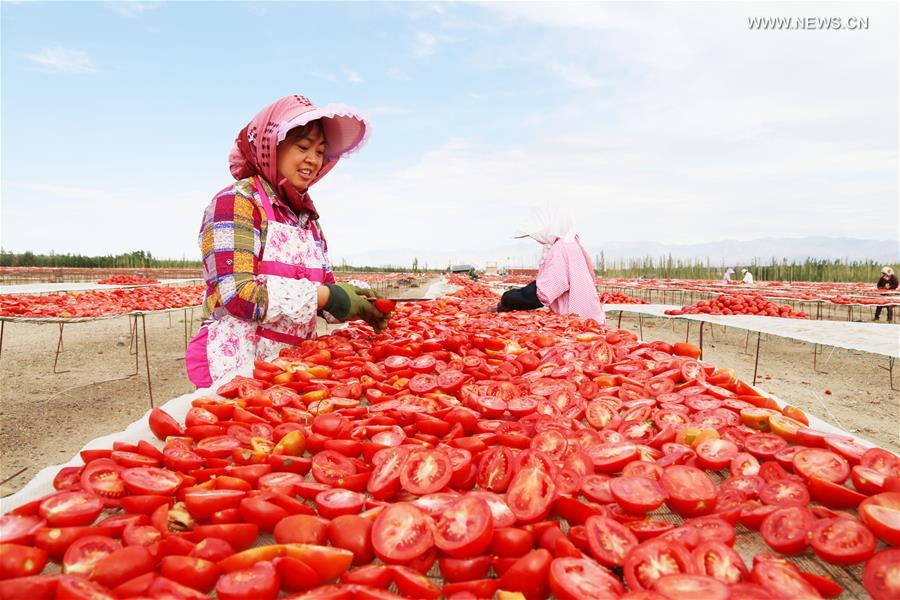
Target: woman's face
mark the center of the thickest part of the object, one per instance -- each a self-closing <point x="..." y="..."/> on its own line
<point x="300" y="156"/>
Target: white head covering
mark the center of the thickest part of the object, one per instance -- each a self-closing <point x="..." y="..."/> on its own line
<point x="887" y="271"/>
<point x="547" y="224"/>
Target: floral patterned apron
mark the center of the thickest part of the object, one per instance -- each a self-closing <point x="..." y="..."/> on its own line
<point x="290" y="252"/>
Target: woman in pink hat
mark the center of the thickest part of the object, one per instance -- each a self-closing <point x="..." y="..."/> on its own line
<point x="265" y="259"/>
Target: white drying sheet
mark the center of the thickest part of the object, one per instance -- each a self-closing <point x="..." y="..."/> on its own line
<point x="876" y="338"/>
<point x="71" y="286"/>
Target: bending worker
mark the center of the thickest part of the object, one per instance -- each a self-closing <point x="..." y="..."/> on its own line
<point x="565" y="280"/>
<point x="887" y="282"/>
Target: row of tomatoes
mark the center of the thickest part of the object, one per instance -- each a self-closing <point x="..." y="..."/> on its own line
<point x="523" y="455"/>
<point x="127" y="280"/>
<point x="619" y="298"/>
<point x="97" y="303"/>
<point x="743" y="304"/>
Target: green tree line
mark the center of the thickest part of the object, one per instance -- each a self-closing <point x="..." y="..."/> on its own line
<point x="139" y="259"/>
<point x="775" y="269"/>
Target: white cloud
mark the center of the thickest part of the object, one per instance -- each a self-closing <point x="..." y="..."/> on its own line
<point x="131" y="9"/>
<point x="398" y="74"/>
<point x="425" y="44"/>
<point x="351" y="76"/>
<point x="63" y="60"/>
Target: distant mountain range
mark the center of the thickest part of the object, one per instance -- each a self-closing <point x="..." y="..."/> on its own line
<point x="732" y="252"/>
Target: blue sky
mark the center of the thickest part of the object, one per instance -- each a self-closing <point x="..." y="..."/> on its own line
<point x="668" y="122"/>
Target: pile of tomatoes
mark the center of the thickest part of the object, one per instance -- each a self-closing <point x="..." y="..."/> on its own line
<point x="457" y="455"/>
<point x="128" y="280"/>
<point x="619" y="298"/>
<point x="742" y="304"/>
<point x="99" y="303"/>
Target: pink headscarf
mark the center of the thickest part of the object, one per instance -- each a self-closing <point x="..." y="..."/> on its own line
<point x="255" y="148"/>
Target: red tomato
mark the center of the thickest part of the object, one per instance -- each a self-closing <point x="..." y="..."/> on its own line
<point x="529" y="575"/>
<point x="784" y="493"/>
<point x="782" y="578"/>
<point x="353" y="533"/>
<point x="688" y="587"/>
<point x="577" y="578"/>
<point x="653" y="559"/>
<point x="239" y="535"/>
<point x="530" y="494"/>
<point x="842" y="541"/>
<point x="511" y="542"/>
<point x="331" y="467"/>
<point x="19" y="529"/>
<point x="690" y="491"/>
<point x="882" y="575"/>
<point x="79" y="588"/>
<point x="259" y="582"/>
<point x="716" y="454"/>
<point x="71" y="508"/>
<point x="102" y="477"/>
<point x="880" y="460"/>
<point x="825" y="464"/>
<point x="609" y="540"/>
<point x="882" y="514"/>
<point x="17" y="560"/>
<point x="464" y="569"/>
<point x="412" y="584"/>
<point x="163" y="425"/>
<point x="834" y="495"/>
<point x="150" y="480"/>
<point x="495" y="469"/>
<point x="37" y="587"/>
<point x="719" y="561"/>
<point x="425" y="472"/>
<point x="121" y="565"/>
<point x="400" y="533"/>
<point x="203" y="503"/>
<point x="637" y="494"/>
<point x="787" y="529"/>
<point x="465" y="529"/>
<point x="193" y="572"/>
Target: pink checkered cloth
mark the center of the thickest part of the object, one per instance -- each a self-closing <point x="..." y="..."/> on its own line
<point x="566" y="283"/>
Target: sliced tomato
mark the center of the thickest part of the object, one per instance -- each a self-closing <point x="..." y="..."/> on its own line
<point x="637" y="495"/>
<point x="102" y="477"/>
<point x="882" y="514"/>
<point x="67" y="509"/>
<point x="842" y="541"/>
<point x="426" y="472"/>
<point x="687" y="587"/>
<point x="653" y="559"/>
<point x="259" y="582"/>
<point x="400" y="533"/>
<point x="782" y="578"/>
<point x="121" y="565"/>
<point x="577" y="578"/>
<point x="784" y="493"/>
<point x="720" y="561"/>
<point x="881" y="576"/>
<point x="150" y="480"/>
<point x="716" y="454"/>
<point x="239" y="535"/>
<point x="19" y="529"/>
<point x="609" y="540"/>
<point x="530" y="494"/>
<point x="690" y="491"/>
<point x="834" y="495"/>
<point x="465" y="529"/>
<point x="197" y="573"/>
<point x="824" y="464"/>
<point x="787" y="529"/>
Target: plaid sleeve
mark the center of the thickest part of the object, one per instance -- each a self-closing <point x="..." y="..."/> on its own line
<point x="230" y="241"/>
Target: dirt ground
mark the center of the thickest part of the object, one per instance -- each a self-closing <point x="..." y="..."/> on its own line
<point x="45" y="417"/>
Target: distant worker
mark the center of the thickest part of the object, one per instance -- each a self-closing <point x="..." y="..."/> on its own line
<point x="887" y="282"/>
<point x="748" y="277"/>
<point x="565" y="280"/>
<point x="726" y="278"/>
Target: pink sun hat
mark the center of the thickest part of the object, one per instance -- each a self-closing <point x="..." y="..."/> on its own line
<point x="255" y="149"/>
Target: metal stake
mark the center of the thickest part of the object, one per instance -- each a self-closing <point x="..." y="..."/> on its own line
<point x="147" y="359"/>
<point x="756" y="362"/>
<point x="59" y="345"/>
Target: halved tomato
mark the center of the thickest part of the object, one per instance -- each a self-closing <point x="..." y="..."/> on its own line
<point x="401" y="533"/>
<point x="637" y="495"/>
<point x="882" y="514"/>
<point x="653" y="559"/>
<point x="530" y="494"/>
<point x="150" y="480"/>
<point x="687" y="587"/>
<point x="426" y="472"/>
<point x="66" y="509"/>
<point x="825" y="464"/>
<point x="690" y="491"/>
<point x="465" y="528"/>
<point x="720" y="561"/>
<point x="102" y="477"/>
<point x="577" y="578"/>
<point x="787" y="529"/>
<point x="842" y="541"/>
<point x="882" y="575"/>
<point x="609" y="540"/>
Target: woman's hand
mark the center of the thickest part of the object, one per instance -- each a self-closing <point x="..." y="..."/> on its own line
<point x="347" y="302"/>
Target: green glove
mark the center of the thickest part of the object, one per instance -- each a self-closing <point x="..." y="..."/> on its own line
<point x="347" y="303"/>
